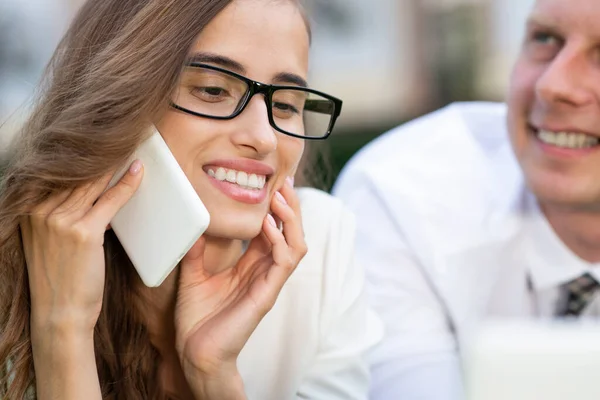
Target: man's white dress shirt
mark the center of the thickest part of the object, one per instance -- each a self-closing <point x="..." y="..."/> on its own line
<point x="449" y="236"/>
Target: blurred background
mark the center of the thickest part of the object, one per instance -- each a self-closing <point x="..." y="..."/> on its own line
<point x="389" y="60"/>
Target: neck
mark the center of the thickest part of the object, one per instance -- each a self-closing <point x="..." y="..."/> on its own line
<point x="159" y="303"/>
<point x="578" y="229"/>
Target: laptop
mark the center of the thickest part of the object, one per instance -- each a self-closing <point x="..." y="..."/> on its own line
<point x="529" y="360"/>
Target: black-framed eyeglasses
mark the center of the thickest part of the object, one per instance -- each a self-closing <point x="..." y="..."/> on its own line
<point x="212" y="92"/>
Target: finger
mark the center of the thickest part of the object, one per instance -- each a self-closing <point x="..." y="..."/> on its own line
<point x="291" y="197"/>
<point x="191" y="271"/>
<point x="82" y="199"/>
<point x="260" y="244"/>
<point x="289" y="193"/>
<point x="292" y="222"/>
<point x="278" y="222"/>
<point x="49" y="205"/>
<point x="115" y="198"/>
<point x="284" y="262"/>
<point x="258" y="248"/>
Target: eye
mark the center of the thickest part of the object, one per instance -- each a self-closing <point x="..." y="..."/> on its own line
<point x="210" y="93"/>
<point x="543" y="45"/>
<point x="283" y="108"/>
<point x="544" y="38"/>
<point x="214" y="91"/>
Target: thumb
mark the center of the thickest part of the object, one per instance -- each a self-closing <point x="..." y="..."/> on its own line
<point x="192" y="265"/>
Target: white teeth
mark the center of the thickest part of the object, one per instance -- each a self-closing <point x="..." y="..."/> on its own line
<point x="231" y="176"/>
<point x="568" y="139"/>
<point x="221" y="174"/>
<point x="562" y="140"/>
<point x="253" y="181"/>
<point x="241" y="178"/>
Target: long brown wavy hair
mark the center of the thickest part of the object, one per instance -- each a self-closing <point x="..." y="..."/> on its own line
<point x="112" y="73"/>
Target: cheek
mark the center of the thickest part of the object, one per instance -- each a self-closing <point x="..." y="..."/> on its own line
<point x="522" y="85"/>
<point x="171" y="127"/>
<point x="595" y="87"/>
<point x="185" y="136"/>
<point x="290" y="154"/>
<point x="522" y="100"/>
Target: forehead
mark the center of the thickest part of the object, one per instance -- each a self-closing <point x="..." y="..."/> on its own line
<point x="571" y="16"/>
<point x="265" y="36"/>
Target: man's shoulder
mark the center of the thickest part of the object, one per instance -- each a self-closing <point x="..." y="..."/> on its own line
<point x="458" y="145"/>
<point x="454" y="130"/>
<point x="451" y="168"/>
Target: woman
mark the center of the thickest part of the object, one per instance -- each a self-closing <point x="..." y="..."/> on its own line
<point x="237" y="319"/>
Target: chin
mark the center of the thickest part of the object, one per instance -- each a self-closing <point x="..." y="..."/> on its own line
<point x="566" y="193"/>
<point x="239" y="229"/>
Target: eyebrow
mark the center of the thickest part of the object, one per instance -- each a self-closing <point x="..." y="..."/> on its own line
<point x="286" y="77"/>
<point x="222" y="61"/>
<point x="228" y="63"/>
<point x="539" y="19"/>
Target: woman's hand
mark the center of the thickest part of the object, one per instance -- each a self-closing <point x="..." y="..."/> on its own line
<point x="63" y="242"/>
<point x="216" y="314"/>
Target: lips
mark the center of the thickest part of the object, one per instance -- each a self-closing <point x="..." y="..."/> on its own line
<point x="242" y="178"/>
<point x="568" y="140"/>
<point x="563" y="145"/>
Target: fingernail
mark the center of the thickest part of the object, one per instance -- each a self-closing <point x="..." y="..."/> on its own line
<point x="290" y="180"/>
<point x="280" y="197"/>
<point x="135" y="167"/>
<point x="271" y="220"/>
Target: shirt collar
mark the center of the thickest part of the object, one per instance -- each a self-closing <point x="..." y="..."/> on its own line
<point x="550" y="262"/>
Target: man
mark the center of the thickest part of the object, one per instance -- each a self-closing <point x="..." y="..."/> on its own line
<point x="484" y="210"/>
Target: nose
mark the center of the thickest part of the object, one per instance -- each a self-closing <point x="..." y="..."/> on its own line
<point x="563" y="80"/>
<point x="253" y="130"/>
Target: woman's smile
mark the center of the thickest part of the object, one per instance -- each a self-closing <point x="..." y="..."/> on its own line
<point x="242" y="180"/>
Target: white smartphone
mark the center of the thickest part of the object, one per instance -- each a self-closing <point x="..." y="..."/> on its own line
<point x="164" y="218"/>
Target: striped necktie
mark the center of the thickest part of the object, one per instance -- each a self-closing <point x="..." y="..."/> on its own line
<point x="579" y="293"/>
